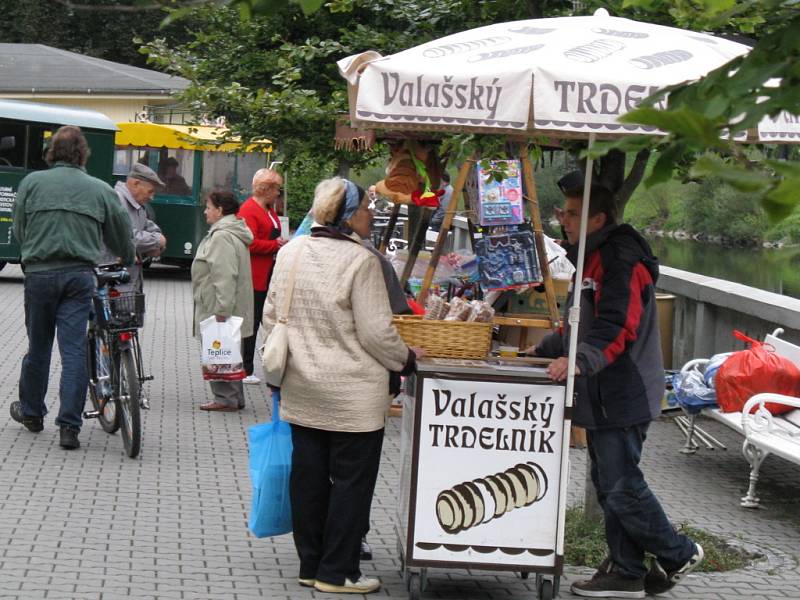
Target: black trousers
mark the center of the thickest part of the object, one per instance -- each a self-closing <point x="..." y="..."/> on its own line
<point x="249" y="343"/>
<point x="333" y="479"/>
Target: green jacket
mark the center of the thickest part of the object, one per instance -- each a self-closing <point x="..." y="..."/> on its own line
<point x="221" y="279"/>
<point x="63" y="215"/>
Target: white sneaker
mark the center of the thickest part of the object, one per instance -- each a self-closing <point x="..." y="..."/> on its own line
<point x="364" y="585"/>
<point x="251" y="380"/>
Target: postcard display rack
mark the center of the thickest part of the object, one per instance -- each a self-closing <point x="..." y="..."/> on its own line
<point x="484" y="471"/>
<point x="491" y="204"/>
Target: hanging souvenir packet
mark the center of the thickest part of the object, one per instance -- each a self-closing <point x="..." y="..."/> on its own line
<point x="497" y="201"/>
<point x="507" y="260"/>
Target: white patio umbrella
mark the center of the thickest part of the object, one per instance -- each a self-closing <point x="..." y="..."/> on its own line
<point x="563" y="77"/>
<point x="566" y="77"/>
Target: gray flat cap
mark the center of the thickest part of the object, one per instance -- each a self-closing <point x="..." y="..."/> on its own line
<point x="145" y="173"/>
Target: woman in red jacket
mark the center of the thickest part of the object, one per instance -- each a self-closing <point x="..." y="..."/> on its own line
<point x="259" y="213"/>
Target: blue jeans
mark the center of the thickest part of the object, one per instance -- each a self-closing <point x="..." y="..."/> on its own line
<point x="56" y="303"/>
<point x="634" y="520"/>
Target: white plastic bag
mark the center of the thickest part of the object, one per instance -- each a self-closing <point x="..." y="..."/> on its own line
<point x="560" y="267"/>
<point x="222" y="349"/>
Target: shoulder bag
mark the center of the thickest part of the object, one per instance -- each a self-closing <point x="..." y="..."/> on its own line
<point x="276" y="348"/>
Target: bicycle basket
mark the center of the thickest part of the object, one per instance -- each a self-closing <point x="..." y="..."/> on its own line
<point x="125" y="311"/>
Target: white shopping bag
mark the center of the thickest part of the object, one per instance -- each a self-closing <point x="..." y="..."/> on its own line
<point x="222" y="349"/>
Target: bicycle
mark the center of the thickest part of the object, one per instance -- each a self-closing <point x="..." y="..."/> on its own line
<point x="114" y="358"/>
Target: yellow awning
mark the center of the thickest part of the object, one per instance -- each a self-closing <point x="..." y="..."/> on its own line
<point x="188" y="137"/>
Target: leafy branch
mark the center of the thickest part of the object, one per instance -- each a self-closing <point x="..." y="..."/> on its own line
<point x="704" y="119"/>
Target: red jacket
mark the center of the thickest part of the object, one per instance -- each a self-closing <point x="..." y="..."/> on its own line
<point x="266" y="228"/>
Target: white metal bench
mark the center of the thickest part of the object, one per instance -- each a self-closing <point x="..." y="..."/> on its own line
<point x="764" y="432"/>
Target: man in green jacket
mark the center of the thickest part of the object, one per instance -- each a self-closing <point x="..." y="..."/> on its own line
<point x="61" y="218"/>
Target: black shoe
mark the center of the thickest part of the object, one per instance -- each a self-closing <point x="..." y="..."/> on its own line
<point x="607" y="583"/>
<point x="34" y="424"/>
<point x="658" y="580"/>
<point x="366" y="551"/>
<point x="69" y="437"/>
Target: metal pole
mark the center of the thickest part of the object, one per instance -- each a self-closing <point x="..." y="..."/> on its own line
<point x="574" y="317"/>
<point x="591" y="505"/>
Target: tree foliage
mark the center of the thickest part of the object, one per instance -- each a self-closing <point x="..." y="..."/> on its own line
<point x="703" y="116"/>
<point x="274" y="73"/>
<point x="101" y="30"/>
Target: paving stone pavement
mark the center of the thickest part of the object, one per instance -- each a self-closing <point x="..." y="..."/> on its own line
<point x="94" y="524"/>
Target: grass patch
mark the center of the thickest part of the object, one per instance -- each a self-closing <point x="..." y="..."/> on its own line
<point x="585" y="544"/>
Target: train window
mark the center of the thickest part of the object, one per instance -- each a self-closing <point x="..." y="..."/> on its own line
<point x="176" y="170"/>
<point x="218" y="171"/>
<point x="12" y="145"/>
<point x="38" y="142"/>
<point x="249" y="163"/>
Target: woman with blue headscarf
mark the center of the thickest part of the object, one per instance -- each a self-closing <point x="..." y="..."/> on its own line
<point x="342" y="345"/>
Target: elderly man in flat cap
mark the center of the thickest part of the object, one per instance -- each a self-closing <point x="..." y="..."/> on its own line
<point x="134" y="194"/>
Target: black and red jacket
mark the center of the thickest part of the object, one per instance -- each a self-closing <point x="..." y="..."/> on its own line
<point x="619" y="347"/>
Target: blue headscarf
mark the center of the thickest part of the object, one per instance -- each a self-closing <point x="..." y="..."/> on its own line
<point x="352" y="199"/>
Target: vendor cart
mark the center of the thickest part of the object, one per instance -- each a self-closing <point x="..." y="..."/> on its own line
<point x="530" y="82"/>
<point x="484" y="471"/>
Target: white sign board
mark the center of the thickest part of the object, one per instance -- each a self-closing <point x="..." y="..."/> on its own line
<point x="485" y="487"/>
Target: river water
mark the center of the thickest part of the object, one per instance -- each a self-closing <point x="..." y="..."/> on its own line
<point x="774" y="270"/>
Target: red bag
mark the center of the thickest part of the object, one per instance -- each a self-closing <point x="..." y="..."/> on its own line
<point x="754" y="371"/>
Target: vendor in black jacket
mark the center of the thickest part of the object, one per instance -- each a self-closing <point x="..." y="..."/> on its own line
<point x="619" y="385"/>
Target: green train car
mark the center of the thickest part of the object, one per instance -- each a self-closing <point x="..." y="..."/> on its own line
<point x="191" y="160"/>
<point x="25" y="128"/>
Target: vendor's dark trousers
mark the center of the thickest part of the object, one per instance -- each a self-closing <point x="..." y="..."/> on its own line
<point x="634" y="520"/>
<point x="333" y="479"/>
<point x="249" y="343"/>
<point x="56" y="303"/>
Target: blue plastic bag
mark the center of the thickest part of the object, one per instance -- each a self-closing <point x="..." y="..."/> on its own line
<point x="270" y="468"/>
<point x="691" y="391"/>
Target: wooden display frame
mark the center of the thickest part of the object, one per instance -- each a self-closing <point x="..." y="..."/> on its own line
<point x="553" y="318"/>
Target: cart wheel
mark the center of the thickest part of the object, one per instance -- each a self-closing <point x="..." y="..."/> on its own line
<point x="414" y="586"/>
<point x="524" y="575"/>
<point x="545" y="589"/>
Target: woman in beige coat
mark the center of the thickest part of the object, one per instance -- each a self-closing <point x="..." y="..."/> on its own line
<point x="334" y="392"/>
<point x="222" y="285"/>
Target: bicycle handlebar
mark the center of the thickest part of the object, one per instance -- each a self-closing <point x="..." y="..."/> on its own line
<point x="111" y="274"/>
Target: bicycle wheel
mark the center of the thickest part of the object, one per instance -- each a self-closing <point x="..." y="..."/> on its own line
<point x="128" y="403"/>
<point x="97" y="348"/>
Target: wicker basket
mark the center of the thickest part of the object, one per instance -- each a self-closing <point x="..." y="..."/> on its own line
<point x="445" y="339"/>
<point x="122" y="312"/>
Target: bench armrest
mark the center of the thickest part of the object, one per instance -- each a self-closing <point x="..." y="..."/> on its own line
<point x="697" y="363"/>
<point x="761" y="421"/>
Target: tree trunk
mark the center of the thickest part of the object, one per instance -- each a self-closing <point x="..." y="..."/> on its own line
<point x="534" y="9"/>
<point x="343" y="168"/>
<point x="610" y="173"/>
<point x="632" y="181"/>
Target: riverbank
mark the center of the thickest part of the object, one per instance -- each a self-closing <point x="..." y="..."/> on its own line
<point x="703" y="238"/>
<point x="770" y="269"/>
